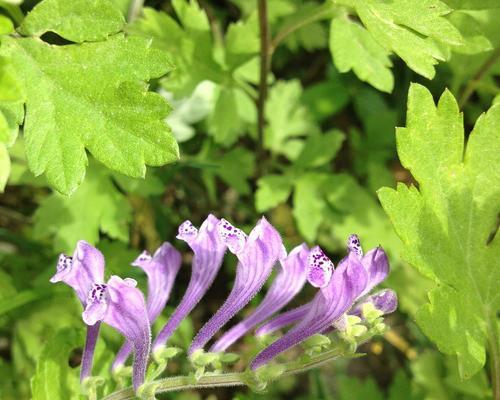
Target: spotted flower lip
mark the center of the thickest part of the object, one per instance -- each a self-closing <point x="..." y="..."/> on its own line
<point x="288" y="282"/>
<point x="208" y="249"/>
<point x="80" y="272"/>
<point x="161" y="270"/>
<point x="256" y="255"/>
<point x="347" y="282"/>
<point x="121" y="305"/>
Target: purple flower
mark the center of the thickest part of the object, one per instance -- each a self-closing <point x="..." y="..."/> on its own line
<point x="334" y="298"/>
<point x="161" y="269"/>
<point x="208" y="249"/>
<point x="80" y="272"/>
<point x="385" y="301"/>
<point x="256" y="255"/>
<point x="375" y="263"/>
<point x="122" y="306"/>
<point x="284" y="319"/>
<point x="288" y="282"/>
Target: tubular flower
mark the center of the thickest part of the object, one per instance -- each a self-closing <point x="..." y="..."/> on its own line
<point x="375" y="263"/>
<point x="121" y="305"/>
<point x="385" y="301"/>
<point x="333" y="299"/>
<point x="256" y="255"/>
<point x="80" y="272"/>
<point x="319" y="273"/>
<point x="161" y="270"/>
<point x="208" y="248"/>
<point x="288" y="282"/>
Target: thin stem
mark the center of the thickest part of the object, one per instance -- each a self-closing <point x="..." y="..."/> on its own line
<point x="227" y="379"/>
<point x="494" y="353"/>
<point x="264" y="71"/>
<point x="476" y="79"/>
<point x="135" y="10"/>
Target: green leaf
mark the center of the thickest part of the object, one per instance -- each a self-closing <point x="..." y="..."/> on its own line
<point x="287" y="118"/>
<point x="189" y="42"/>
<point x="319" y="100"/>
<point x="226" y="126"/>
<point x="309" y="203"/>
<point x="410" y="29"/>
<point x="272" y="190"/>
<point x="235" y="167"/>
<point x="353" y="47"/>
<point x="242" y="42"/>
<point x="53" y="378"/>
<point x="75" y="20"/>
<point x="107" y="110"/>
<point x="4" y="166"/>
<point x="320" y="149"/>
<point x="96" y="206"/>
<point x="6" y="25"/>
<point x="446" y="224"/>
<point x="472" y="4"/>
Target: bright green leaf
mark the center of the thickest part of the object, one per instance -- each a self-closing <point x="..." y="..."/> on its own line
<point x="353" y="47"/>
<point x="53" y="378"/>
<point x="107" y="110"/>
<point x="6" y="25"/>
<point x="75" y="20"/>
<point x="410" y="29"/>
<point x="4" y="166"/>
<point x="446" y="224"/>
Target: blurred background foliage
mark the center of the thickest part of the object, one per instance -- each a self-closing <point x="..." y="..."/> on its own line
<point x="328" y="145"/>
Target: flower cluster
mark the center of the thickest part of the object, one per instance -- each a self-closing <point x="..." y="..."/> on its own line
<point x="342" y="291"/>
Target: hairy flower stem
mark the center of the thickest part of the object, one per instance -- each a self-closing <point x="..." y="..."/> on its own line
<point x="265" y="64"/>
<point x="226" y="379"/>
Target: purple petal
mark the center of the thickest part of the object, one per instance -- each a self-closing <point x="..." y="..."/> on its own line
<point x="288" y="282"/>
<point x="376" y="264"/>
<point x="81" y="271"/>
<point x="209" y="252"/>
<point x="319" y="269"/>
<point x="282" y="320"/>
<point x="122" y="306"/>
<point x="256" y="256"/>
<point x="161" y="269"/>
<point x="88" y="350"/>
<point x="348" y="281"/>
<point x="386" y="301"/>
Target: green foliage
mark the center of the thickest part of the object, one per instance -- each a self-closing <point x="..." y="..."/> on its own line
<point x="107" y="110"/>
<point x="53" y="379"/>
<point x="76" y="20"/>
<point x="83" y="111"/>
<point x="446" y="224"/>
<point x="96" y="206"/>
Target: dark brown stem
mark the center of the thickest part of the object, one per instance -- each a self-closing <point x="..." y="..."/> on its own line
<point x="476" y="79"/>
<point x="264" y="71"/>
